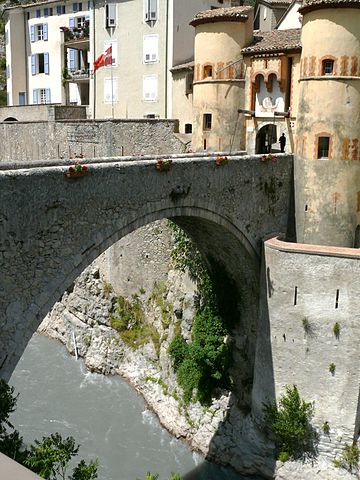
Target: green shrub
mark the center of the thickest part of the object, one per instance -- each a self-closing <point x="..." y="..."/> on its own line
<point x="349" y="459"/>
<point x="201" y="365"/>
<point x="336" y="330"/>
<point x="185" y="255"/>
<point x="178" y="350"/>
<point x="326" y="428"/>
<point x="283" y="456"/>
<point x="290" y="423"/>
<point x="332" y="368"/>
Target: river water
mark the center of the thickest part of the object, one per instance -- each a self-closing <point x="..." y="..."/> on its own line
<point x="104" y="414"/>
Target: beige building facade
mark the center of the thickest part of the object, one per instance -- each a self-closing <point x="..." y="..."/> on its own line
<point x="148" y="39"/>
<point x="327" y="167"/>
<point x="245" y="83"/>
<point x="273" y="68"/>
<point x="219" y="77"/>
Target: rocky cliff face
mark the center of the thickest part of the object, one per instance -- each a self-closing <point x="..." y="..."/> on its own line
<point x="139" y="269"/>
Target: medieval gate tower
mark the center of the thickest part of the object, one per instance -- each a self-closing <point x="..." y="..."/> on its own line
<point x="327" y="152"/>
<point x="219" y="78"/>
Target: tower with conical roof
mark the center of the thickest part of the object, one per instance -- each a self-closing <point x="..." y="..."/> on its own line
<point x="327" y="153"/>
<point x="219" y="78"/>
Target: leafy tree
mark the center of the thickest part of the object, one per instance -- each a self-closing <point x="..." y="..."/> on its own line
<point x="51" y="456"/>
<point x="85" y="472"/>
<point x="11" y="443"/>
<point x="48" y="458"/>
<point x="152" y="476"/>
<point x="7" y="404"/>
<point x="290" y="424"/>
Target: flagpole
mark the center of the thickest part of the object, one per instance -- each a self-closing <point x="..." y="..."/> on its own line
<point x="112" y="89"/>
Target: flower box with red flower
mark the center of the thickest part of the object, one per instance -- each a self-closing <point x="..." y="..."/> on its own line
<point x="77" y="170"/>
<point x="269" y="157"/>
<point x="220" y="160"/>
<point x="163" y="165"/>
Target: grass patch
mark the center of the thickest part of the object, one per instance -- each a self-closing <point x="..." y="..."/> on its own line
<point x="129" y="321"/>
<point x="158" y="297"/>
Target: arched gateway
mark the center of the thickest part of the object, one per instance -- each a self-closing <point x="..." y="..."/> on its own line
<point x="52" y="227"/>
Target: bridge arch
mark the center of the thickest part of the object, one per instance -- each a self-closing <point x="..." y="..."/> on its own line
<point x="53" y="228"/>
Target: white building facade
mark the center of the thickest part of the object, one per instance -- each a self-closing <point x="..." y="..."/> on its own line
<point x="41" y="66"/>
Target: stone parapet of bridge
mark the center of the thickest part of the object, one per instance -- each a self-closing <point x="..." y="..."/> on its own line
<point x="69" y="137"/>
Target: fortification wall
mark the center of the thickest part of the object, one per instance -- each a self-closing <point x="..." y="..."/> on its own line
<point x="26" y="141"/>
<point x="309" y="290"/>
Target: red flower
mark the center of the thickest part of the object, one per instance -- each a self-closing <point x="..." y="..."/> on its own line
<point x="71" y="169"/>
<point x="84" y="167"/>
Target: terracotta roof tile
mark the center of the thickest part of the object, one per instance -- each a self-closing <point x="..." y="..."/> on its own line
<point x="183" y="66"/>
<point x="274" y="41"/>
<point x="278" y="2"/>
<point x="309" y="5"/>
<point x="230" y="14"/>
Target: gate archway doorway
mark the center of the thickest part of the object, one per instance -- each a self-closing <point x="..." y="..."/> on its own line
<point x="265" y="137"/>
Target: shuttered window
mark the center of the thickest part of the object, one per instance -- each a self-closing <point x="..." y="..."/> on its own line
<point x="39" y="32"/>
<point x="150" y="88"/>
<point x="60" y="9"/>
<point x="40" y="63"/>
<point x="110" y="90"/>
<point x="41" y="95"/>
<point x="110" y="16"/>
<point x="151" y="48"/>
<point x="151" y="10"/>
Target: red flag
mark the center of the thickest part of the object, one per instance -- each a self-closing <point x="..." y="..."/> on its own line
<point x="104" y="59"/>
<point x="108" y="56"/>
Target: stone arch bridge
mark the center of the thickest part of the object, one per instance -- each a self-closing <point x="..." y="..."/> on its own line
<point x="52" y="227"/>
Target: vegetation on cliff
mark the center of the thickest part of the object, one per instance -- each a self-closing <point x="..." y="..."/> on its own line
<point x="201" y="365"/>
<point x="128" y="320"/>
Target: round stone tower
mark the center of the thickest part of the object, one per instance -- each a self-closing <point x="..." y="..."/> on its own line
<point x="327" y="151"/>
<point x="219" y="78"/>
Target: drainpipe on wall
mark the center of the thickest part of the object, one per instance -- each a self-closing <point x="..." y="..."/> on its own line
<point x="93" y="59"/>
<point x="166" y="55"/>
<point x="28" y="96"/>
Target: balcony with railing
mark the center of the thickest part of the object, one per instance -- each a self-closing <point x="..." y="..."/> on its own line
<point x="78" y="75"/>
<point x="77" y="37"/>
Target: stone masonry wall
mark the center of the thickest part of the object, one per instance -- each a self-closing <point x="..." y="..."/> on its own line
<point x="25" y="141"/>
<point x="309" y="290"/>
<point x="38" y="113"/>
